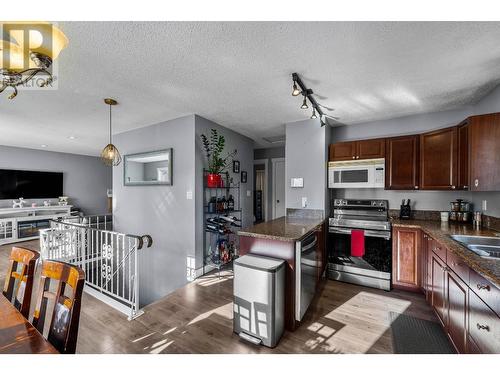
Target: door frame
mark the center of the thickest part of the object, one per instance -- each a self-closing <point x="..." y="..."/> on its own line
<point x="266" y="184"/>
<point x="274" y="161"/>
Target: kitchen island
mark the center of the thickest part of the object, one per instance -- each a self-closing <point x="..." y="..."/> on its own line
<point x="300" y="241"/>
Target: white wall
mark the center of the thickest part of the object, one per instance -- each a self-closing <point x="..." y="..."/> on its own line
<point x="422" y="200"/>
<point x="305" y="153"/>
<point x="85" y="178"/>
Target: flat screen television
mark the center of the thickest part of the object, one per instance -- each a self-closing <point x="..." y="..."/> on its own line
<point x="15" y="184"/>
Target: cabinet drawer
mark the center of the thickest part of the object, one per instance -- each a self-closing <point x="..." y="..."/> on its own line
<point x="486" y="290"/>
<point x="439" y="250"/>
<point x="484" y="325"/>
<point x="458" y="266"/>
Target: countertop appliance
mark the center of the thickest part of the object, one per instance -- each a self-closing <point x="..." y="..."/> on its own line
<point x="306" y="272"/>
<point x="374" y="267"/>
<point x="356" y="174"/>
<point x="259" y="299"/>
<point x="405" y="209"/>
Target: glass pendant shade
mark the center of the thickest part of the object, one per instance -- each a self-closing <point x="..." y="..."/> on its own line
<point x="313" y="116"/>
<point x="44" y="38"/>
<point x="110" y="155"/>
<point x="304" y="104"/>
<point x="296" y="91"/>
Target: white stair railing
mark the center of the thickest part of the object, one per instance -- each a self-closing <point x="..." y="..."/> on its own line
<point x="109" y="259"/>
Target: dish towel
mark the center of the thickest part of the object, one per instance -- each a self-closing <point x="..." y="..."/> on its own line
<point x="357" y="242"/>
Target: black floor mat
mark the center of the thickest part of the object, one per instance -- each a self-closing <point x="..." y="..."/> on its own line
<point x="417" y="336"/>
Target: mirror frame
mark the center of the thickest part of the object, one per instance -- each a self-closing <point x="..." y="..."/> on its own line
<point x="170" y="151"/>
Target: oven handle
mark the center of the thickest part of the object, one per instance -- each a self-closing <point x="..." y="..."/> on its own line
<point x="311" y="245"/>
<point x="368" y="233"/>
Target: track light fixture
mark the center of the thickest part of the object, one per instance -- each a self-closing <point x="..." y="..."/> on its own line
<point x="300" y="88"/>
<point x="304" y="104"/>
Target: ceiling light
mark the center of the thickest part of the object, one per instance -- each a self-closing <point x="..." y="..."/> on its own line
<point x="43" y="146"/>
<point x="110" y="155"/>
<point x="44" y="43"/>
<point x="304" y="104"/>
<point x="313" y="116"/>
<point x="71" y="137"/>
<point x="296" y="91"/>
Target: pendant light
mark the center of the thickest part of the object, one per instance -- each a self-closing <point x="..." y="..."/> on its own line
<point x="296" y="91"/>
<point x="110" y="155"/>
<point x="313" y="116"/>
<point x="304" y="104"/>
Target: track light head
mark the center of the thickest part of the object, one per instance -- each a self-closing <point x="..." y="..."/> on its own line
<point x="323" y="123"/>
<point x="296" y="91"/>
<point x="313" y="116"/>
<point x="304" y="104"/>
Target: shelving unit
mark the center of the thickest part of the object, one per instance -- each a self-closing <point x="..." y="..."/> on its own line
<point x="212" y="241"/>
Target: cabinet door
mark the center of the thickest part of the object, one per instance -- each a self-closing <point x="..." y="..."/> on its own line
<point x="484" y="149"/>
<point x="343" y="151"/>
<point x="7" y="230"/>
<point x="429" y="247"/>
<point x="423" y="268"/>
<point x="402" y="163"/>
<point x="463" y="156"/>
<point x="438" y="300"/>
<point x="405" y="258"/>
<point x="456" y="293"/>
<point x="484" y="325"/>
<point x="438" y="159"/>
<point x="371" y="149"/>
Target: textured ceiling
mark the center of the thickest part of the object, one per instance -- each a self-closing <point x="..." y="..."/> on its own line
<point x="238" y="74"/>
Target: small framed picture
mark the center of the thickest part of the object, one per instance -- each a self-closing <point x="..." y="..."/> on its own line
<point x="243" y="177"/>
<point x="236" y="166"/>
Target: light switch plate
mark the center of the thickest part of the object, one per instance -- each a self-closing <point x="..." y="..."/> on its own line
<point x="189" y="195"/>
<point x="485" y="205"/>
<point x="297" y="182"/>
<point x="249" y="193"/>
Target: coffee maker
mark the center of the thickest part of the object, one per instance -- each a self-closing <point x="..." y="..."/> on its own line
<point x="405" y="210"/>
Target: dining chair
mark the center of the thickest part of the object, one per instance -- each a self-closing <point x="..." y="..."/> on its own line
<point x="21" y="272"/>
<point x="65" y="316"/>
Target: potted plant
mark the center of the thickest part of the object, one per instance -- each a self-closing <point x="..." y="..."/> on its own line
<point x="217" y="163"/>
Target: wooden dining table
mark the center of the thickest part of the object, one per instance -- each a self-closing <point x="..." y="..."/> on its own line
<point x="17" y="335"/>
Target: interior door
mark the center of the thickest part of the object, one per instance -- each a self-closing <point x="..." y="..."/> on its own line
<point x="279" y="189"/>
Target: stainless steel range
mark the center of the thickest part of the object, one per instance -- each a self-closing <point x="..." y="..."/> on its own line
<point x="374" y="267"/>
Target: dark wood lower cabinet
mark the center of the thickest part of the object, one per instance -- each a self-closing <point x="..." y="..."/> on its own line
<point x="484" y="327"/>
<point x="438" y="288"/>
<point x="456" y="292"/>
<point x="406" y="258"/>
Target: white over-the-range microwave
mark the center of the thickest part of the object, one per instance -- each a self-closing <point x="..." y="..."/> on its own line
<point x="356" y="174"/>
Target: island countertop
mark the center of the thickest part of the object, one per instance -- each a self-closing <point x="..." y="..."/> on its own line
<point x="282" y="229"/>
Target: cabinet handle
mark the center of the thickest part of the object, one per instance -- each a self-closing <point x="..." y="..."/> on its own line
<point x="354" y="157"/>
<point x="457" y="264"/>
<point x="466" y="187"/>
<point x="453" y="186"/>
<point x="416" y="186"/>
<point x="476" y="182"/>
<point x="483" y="286"/>
<point x="481" y="326"/>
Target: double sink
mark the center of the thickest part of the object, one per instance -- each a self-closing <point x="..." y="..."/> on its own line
<point x="486" y="247"/>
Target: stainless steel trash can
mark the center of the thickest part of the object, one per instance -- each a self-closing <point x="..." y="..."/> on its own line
<point x="259" y="299"/>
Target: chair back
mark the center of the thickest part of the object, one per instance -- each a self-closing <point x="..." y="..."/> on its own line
<point x="65" y="316"/>
<point x="19" y="280"/>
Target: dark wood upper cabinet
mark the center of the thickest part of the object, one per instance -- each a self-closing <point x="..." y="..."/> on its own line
<point x="438" y="159"/>
<point x="371" y="149"/>
<point x="402" y="163"/>
<point x="484" y="146"/>
<point x="357" y="150"/>
<point x="342" y="151"/>
<point x="406" y="258"/>
<point x="463" y="156"/>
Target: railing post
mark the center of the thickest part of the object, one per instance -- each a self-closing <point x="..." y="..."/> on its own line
<point x="136" y="278"/>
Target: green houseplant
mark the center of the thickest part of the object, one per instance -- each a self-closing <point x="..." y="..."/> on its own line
<point x="217" y="163"/>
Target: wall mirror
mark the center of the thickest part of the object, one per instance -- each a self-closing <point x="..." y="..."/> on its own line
<point x="148" y="168"/>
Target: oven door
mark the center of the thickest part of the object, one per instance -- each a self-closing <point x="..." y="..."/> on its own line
<point x="372" y="269"/>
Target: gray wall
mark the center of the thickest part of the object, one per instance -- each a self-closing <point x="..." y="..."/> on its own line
<point x="164" y="212"/>
<point x="306" y="157"/>
<point x="268" y="154"/>
<point x="85" y="178"/>
<point x="245" y="155"/>
<point x="422" y="200"/>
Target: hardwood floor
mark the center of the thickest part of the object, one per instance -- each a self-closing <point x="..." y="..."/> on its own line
<point x="197" y="318"/>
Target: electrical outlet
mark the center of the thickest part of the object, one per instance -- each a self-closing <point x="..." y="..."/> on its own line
<point x="189" y="195"/>
<point x="304" y="202"/>
<point x="249" y="193"/>
<point x="485" y="205"/>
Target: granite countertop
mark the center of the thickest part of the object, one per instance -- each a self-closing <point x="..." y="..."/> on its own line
<point x="488" y="268"/>
<point x="282" y="229"/>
